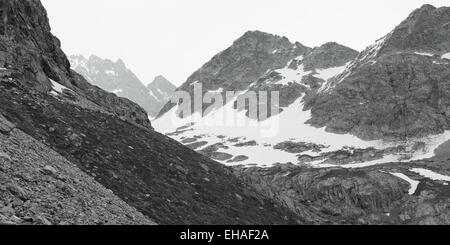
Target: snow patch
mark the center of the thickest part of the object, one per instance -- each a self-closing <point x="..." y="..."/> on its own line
<point x="117" y="91"/>
<point x="413" y="183"/>
<point x="385" y="159"/>
<point x="292" y="76"/>
<point x="299" y="58"/>
<point x="424" y="54"/>
<point x="432" y="144"/>
<point x="446" y="56"/>
<point x="57" y="87"/>
<point x="164" y="95"/>
<point x="439" y="63"/>
<point x="289" y="125"/>
<point x="430" y="174"/>
<point x="326" y="74"/>
<point x="218" y="91"/>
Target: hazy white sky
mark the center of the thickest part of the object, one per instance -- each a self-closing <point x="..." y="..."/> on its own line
<point x="175" y="37"/>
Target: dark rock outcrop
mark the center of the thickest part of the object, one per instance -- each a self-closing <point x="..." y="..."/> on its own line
<point x="425" y="30"/>
<point x="5" y="125"/>
<point x="33" y="55"/>
<point x="346" y="196"/>
<point x="397" y="88"/>
<point x="298" y="147"/>
<point x="158" y="176"/>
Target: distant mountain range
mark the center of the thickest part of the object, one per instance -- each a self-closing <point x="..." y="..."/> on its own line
<point x="116" y="78"/>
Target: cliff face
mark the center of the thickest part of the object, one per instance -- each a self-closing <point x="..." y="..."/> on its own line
<point x="33" y="55"/>
<point x="426" y="29"/>
<point x="396" y="88"/>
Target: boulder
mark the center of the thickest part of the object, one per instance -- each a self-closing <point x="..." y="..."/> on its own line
<point x="5" y="126"/>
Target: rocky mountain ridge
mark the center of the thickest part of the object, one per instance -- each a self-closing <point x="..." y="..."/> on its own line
<point x="116" y="78"/>
<point x="396" y="88"/>
<point x="393" y="194"/>
<point x="362" y="137"/>
<point x="243" y="63"/>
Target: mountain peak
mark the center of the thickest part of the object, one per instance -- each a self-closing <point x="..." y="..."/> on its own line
<point x="160" y="77"/>
<point x="258" y="34"/>
<point x="425" y="29"/>
<point x="331" y="45"/>
<point x="422" y="12"/>
<point x="161" y="80"/>
<point x="256" y="37"/>
<point x="120" y="62"/>
<point x="116" y="78"/>
<point x="404" y="66"/>
<point x="329" y="55"/>
<point x="94" y="59"/>
<point x="427" y="7"/>
<point x="161" y="83"/>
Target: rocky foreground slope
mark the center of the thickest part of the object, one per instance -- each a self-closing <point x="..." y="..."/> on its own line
<point x="39" y="186"/>
<point x="95" y="133"/>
